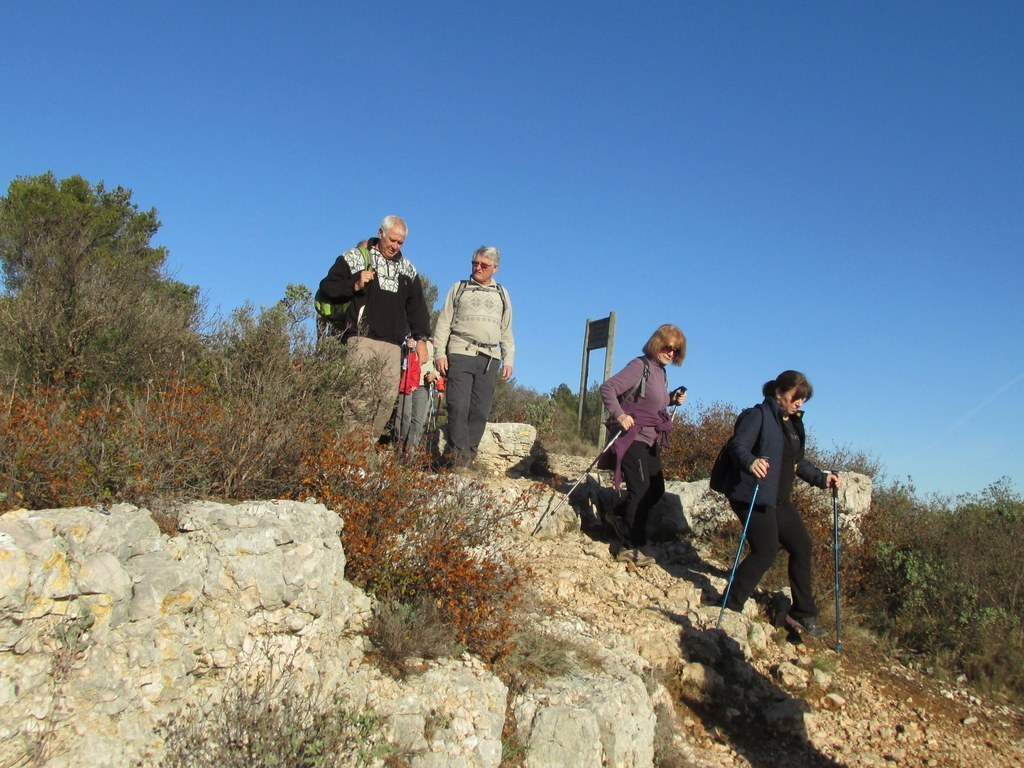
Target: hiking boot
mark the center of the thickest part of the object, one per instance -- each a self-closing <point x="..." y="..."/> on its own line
<point x="618" y="526"/>
<point x="808" y="625"/>
<point x="634" y="556"/>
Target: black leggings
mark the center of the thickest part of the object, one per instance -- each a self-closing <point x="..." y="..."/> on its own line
<point x="770" y="529"/>
<point x="645" y="485"/>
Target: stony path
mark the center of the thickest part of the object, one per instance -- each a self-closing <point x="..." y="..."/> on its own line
<point x="785" y="704"/>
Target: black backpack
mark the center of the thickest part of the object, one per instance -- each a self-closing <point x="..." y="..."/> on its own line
<point x="724" y="474"/>
<point x="639" y="390"/>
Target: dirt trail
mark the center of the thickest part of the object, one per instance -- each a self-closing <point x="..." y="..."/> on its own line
<point x="863" y="708"/>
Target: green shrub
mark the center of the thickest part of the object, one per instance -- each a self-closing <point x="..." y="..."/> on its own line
<point x="942" y="579"/>
<point x="87" y="302"/>
<point x="521" y="405"/>
<point x="276" y="393"/>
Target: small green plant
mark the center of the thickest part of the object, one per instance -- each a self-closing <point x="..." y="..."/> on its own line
<point x="826" y="662"/>
<point x="435" y="723"/>
<point x="535" y="657"/>
<point x="513" y="751"/>
<point x="270" y="721"/>
<point x="401" y="631"/>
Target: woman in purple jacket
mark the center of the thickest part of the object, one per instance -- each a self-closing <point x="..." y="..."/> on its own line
<point x="637" y="399"/>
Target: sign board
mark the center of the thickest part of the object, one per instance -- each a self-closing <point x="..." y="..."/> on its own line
<point x="598" y="334"/>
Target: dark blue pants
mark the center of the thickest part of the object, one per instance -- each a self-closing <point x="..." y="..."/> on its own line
<point x="770" y="529"/>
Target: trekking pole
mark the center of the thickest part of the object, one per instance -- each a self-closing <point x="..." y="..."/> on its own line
<point x="432" y="415"/>
<point x="835" y="535"/>
<point x="675" y="406"/>
<point x="739" y="550"/>
<point x="399" y="438"/>
<point x="585" y="473"/>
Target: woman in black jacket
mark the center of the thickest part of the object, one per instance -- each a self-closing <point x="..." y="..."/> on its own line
<point x="768" y="445"/>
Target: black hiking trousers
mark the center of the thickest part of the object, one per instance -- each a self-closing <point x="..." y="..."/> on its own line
<point x="469" y="393"/>
<point x="770" y="529"/>
<point x="645" y="485"/>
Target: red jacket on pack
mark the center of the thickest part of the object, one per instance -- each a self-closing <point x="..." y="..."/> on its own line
<point x="410" y="374"/>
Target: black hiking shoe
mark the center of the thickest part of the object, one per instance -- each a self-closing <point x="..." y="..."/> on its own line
<point x="808" y="625"/>
<point x="618" y="526"/>
<point x="778" y="608"/>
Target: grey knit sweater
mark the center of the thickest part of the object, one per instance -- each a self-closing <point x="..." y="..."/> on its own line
<point x="478" y="323"/>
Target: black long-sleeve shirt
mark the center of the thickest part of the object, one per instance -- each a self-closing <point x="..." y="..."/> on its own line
<point x="389" y="307"/>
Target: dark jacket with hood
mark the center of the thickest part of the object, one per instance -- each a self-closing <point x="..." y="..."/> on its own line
<point x="750" y="440"/>
<point x="390" y="307"/>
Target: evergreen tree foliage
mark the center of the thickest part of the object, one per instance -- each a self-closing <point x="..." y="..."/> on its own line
<point x="86" y="299"/>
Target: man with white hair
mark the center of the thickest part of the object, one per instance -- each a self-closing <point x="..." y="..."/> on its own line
<point x="387" y="304"/>
<point x="472" y="343"/>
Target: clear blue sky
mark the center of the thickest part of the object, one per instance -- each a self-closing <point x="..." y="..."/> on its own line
<point x="832" y="187"/>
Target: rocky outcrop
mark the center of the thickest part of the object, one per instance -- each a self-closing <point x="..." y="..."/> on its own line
<point x="758" y="696"/>
<point x="108" y="628"/>
<point x="505" y="450"/>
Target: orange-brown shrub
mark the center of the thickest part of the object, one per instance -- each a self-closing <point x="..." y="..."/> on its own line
<point x="58" y="448"/>
<point x="257" y="400"/>
<point x="410" y="536"/>
<point x="170" y="440"/>
<point x="695" y="440"/>
<point x="35" y="467"/>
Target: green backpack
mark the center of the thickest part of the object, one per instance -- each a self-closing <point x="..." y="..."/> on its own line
<point x="332" y="310"/>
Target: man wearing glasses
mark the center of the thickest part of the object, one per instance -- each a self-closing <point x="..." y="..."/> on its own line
<point x="386" y="304"/>
<point x="473" y="342"/>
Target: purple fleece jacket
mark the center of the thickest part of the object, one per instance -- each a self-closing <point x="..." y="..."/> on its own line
<point x="651" y="420"/>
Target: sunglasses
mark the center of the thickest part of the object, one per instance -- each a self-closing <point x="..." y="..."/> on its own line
<point x="481" y="265"/>
<point x="670" y="351"/>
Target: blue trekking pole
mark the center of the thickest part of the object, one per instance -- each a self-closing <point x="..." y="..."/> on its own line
<point x="739" y="551"/>
<point x="835" y="532"/>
